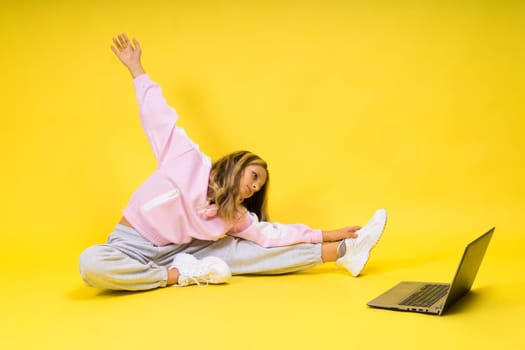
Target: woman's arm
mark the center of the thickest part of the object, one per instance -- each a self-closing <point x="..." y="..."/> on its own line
<point x="128" y="54"/>
<point x="158" y="119"/>
<point x="342" y="233"/>
<point x="274" y="234"/>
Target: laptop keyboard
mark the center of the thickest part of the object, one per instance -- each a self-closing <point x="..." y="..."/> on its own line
<point x="426" y="296"/>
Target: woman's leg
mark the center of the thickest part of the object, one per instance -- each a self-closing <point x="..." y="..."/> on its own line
<point x="127" y="262"/>
<point x="330" y="251"/>
<point x="246" y="257"/>
<point x="130" y="262"/>
<point x="106" y="267"/>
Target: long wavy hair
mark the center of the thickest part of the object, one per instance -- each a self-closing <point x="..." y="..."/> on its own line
<point x="223" y="187"/>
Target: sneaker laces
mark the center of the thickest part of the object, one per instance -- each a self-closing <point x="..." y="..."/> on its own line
<point x="197" y="282"/>
<point x="197" y="274"/>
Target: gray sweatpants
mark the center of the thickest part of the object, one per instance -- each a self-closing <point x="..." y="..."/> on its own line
<point x="130" y="262"/>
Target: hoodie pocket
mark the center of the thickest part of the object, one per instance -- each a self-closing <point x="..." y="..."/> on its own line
<point x="161" y="199"/>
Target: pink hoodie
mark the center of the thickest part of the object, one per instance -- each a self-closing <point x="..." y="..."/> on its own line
<point x="171" y="205"/>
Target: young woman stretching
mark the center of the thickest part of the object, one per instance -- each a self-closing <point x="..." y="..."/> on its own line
<point x="193" y="221"/>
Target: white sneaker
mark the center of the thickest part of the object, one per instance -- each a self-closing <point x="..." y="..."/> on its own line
<point x="358" y="249"/>
<point x="210" y="270"/>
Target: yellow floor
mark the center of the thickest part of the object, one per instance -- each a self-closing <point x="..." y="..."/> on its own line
<point x="414" y="106"/>
<point x="46" y="306"/>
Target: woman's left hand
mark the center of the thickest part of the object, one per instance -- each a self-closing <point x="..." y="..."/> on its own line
<point x="340" y="234"/>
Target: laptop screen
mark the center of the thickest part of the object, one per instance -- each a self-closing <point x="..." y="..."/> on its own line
<point x="468" y="268"/>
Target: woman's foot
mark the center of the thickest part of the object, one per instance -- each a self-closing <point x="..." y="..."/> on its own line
<point x="358" y="249"/>
<point x="210" y="270"/>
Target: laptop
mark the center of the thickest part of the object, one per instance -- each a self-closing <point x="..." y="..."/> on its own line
<point x="436" y="298"/>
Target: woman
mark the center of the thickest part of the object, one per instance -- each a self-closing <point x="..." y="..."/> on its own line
<point x="183" y="211"/>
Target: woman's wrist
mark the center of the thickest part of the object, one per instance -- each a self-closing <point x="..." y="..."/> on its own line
<point x="327" y="236"/>
<point x="136" y="70"/>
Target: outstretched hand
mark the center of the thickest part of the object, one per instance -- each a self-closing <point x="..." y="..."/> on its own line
<point x="128" y="53"/>
<point x="340" y="234"/>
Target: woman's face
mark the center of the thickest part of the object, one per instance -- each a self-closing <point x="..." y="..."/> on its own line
<point x="252" y="180"/>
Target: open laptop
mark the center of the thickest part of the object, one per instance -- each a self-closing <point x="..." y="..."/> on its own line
<point x="436" y="298"/>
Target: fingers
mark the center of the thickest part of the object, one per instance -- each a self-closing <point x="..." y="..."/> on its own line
<point x="122" y="39"/>
<point x="115" y="51"/>
<point x="122" y="42"/>
<point x="352" y="231"/>
<point x="136" y="43"/>
<point x="125" y="38"/>
<point x="117" y="44"/>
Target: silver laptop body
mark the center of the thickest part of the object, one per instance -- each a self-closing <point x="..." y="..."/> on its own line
<point x="436" y="298"/>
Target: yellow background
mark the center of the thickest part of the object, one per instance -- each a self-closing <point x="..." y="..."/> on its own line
<point x="415" y="106"/>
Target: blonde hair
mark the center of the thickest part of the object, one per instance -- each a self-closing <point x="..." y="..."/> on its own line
<point x="223" y="187"/>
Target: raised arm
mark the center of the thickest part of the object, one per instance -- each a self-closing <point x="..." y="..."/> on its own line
<point x="128" y="53"/>
<point x="158" y="119"/>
